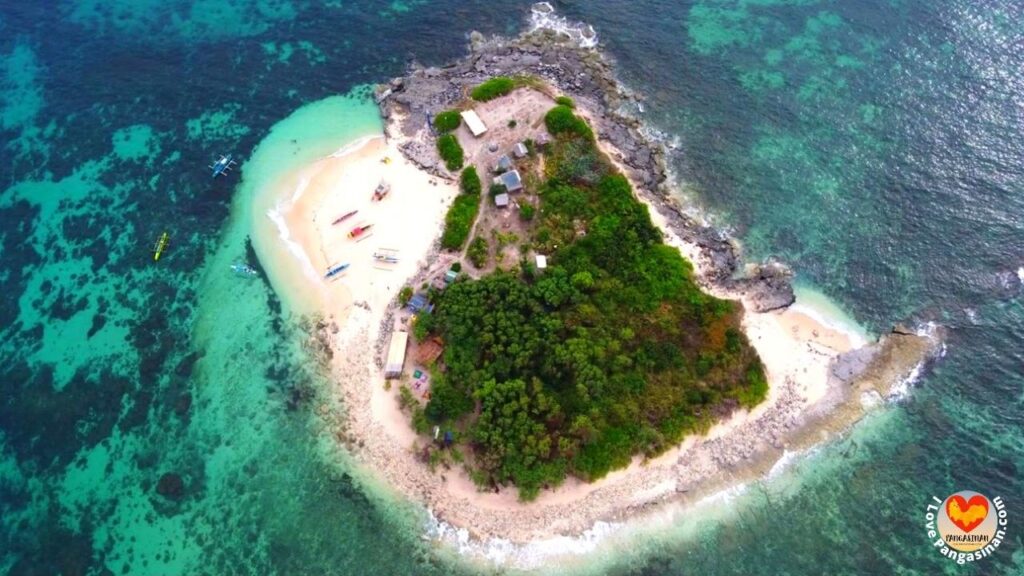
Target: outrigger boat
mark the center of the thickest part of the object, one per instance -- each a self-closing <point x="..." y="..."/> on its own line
<point x="359" y="230"/>
<point x="335" y="270"/>
<point x="386" y="256"/>
<point x="222" y="166"/>
<point x="382" y="191"/>
<point x="243" y="270"/>
<point x="344" y="217"/>
<point x="161" y="245"/>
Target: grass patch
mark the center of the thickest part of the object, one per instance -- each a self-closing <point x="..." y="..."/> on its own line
<point x="562" y="120"/>
<point x="447" y="121"/>
<point x="493" y="88"/>
<point x="459" y="221"/>
<point x="451" y="152"/>
<point x="469" y="182"/>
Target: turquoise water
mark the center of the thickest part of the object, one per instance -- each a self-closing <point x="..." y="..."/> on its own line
<point x="874" y="145"/>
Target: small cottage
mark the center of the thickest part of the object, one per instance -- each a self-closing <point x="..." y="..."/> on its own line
<point x="396" y="355"/>
<point x="510" y="180"/>
<point x="520" y="150"/>
<point x="501" y="200"/>
<point x="419" y="302"/>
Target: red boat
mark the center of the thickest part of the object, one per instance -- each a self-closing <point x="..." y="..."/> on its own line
<point x="344" y="217"/>
<point x="359" y="231"/>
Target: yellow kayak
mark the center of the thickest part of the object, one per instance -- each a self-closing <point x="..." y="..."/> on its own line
<point x="161" y="245"/>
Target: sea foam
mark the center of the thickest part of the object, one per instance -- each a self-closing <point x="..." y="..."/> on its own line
<point x="294" y="247"/>
<point x="614" y="537"/>
<point x="543" y="17"/>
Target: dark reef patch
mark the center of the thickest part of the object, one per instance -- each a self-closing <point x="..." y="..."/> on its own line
<point x="49" y="426"/>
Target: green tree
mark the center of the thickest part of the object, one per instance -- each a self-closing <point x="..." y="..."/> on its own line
<point x="512" y="437"/>
<point x="423" y="326"/>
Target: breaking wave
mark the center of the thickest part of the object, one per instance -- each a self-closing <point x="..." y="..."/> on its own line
<point x="543" y="17"/>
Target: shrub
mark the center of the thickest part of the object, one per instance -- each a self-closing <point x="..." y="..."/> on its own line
<point x="578" y="161"/>
<point x="404" y="295"/>
<point x="419" y="420"/>
<point x="493" y="88"/>
<point x="447" y="121"/>
<point x="423" y="326"/>
<point x="450" y="152"/>
<point x="469" y="182"/>
<point x="512" y="123"/>
<point x="456" y="267"/>
<point x="562" y="120"/>
<point x="459" y="221"/>
<point x="526" y="211"/>
<point x="405" y="398"/>
<point x="496" y="189"/>
<point x="478" y="252"/>
<point x="565" y="101"/>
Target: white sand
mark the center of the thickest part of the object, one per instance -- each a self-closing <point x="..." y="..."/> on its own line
<point x="406" y="221"/>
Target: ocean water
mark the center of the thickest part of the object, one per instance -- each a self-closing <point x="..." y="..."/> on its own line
<point x="874" y="145"/>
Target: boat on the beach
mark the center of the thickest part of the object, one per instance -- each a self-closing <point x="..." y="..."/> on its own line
<point x="386" y="256"/>
<point x="382" y="191"/>
<point x="161" y="246"/>
<point x="344" y="217"/>
<point x="359" y="230"/>
<point x="222" y="165"/>
<point x="333" y="271"/>
<point x="243" y="270"/>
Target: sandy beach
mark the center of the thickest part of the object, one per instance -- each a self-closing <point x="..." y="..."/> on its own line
<point x="296" y="225"/>
<point x="798" y="346"/>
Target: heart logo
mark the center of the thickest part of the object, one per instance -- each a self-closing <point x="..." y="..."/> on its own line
<point x="967" y="514"/>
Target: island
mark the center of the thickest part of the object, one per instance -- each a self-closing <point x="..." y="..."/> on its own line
<point x="525" y="331"/>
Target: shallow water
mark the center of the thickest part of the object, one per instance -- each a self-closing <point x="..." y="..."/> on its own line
<point x="874" y="145"/>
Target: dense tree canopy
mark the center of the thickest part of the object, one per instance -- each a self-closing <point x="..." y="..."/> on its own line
<point x="611" y="351"/>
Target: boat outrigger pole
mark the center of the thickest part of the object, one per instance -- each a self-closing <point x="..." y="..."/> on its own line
<point x="222" y="166"/>
<point x="161" y="245"/>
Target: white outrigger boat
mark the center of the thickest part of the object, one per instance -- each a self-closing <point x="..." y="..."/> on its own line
<point x="244" y="270"/>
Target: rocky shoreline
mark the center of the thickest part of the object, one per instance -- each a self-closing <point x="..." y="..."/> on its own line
<point x="587" y="76"/>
